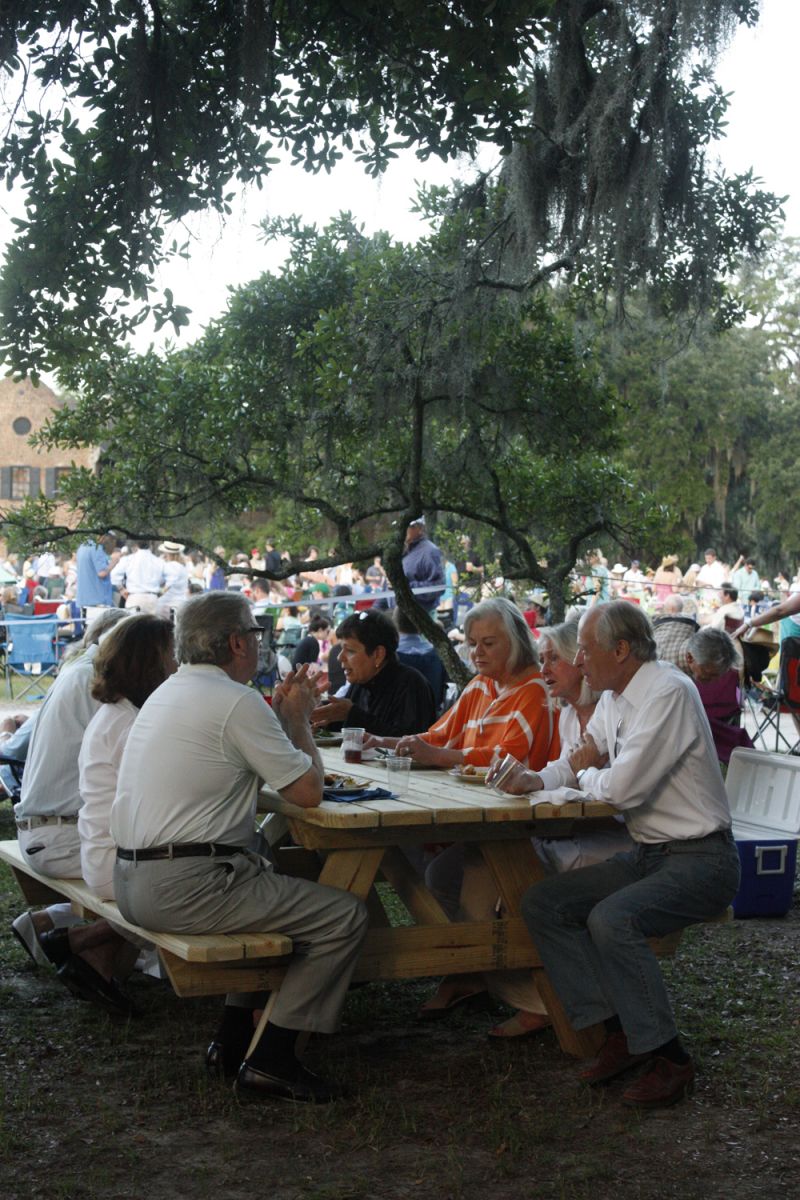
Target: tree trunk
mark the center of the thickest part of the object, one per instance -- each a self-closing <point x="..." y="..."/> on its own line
<point x="421" y="620"/>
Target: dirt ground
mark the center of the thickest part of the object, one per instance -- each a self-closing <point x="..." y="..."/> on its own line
<point x="97" y="1110"/>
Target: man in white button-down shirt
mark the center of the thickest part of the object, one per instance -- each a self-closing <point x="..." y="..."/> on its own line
<point x="591" y="926"/>
<point x="141" y="574"/>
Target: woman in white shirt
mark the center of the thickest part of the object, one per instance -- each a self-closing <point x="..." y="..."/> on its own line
<point x="132" y="661"/>
<point x="175" y="591"/>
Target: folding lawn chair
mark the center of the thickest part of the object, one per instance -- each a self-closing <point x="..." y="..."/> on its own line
<point x="783" y="699"/>
<point x="31" y="650"/>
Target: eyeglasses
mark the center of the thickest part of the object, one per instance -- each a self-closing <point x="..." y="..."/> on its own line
<point x="256" y="629"/>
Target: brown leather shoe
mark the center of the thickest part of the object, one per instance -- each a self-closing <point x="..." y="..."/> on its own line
<point x="614" y="1059"/>
<point x="662" y="1084"/>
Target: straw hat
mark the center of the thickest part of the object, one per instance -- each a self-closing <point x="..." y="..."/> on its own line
<point x="171" y="548"/>
<point x="669" y="560"/>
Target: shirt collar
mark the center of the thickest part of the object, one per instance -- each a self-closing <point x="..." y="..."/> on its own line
<point x="638" y="689"/>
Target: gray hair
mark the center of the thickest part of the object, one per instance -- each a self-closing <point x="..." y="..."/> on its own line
<point x="672" y="604"/>
<point x="523" y="648"/>
<point x="713" y="649"/>
<point x="621" y="621"/>
<point x="99" y="626"/>
<point x="564" y="640"/>
<point x="205" y="624"/>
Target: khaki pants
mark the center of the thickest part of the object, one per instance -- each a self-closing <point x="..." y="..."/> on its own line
<point x="54" y="850"/>
<point x="242" y="893"/>
<point x="146" y="602"/>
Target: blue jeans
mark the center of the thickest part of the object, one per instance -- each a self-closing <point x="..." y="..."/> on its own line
<point x="591" y="927"/>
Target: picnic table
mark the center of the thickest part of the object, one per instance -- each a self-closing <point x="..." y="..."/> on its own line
<point x="356" y="841"/>
<point x="347" y="846"/>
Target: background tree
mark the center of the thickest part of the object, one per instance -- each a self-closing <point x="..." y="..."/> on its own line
<point x="364" y="384"/>
<point x="710" y="416"/>
<point x="126" y="116"/>
<point x="170" y="101"/>
<point x="614" y="181"/>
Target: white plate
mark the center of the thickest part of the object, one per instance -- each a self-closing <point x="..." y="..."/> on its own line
<point x="332" y="739"/>
<point x="479" y="776"/>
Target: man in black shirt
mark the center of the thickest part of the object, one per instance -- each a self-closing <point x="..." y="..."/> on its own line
<point x="272" y="559"/>
<point x="384" y="696"/>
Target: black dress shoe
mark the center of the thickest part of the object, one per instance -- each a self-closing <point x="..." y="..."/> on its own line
<point x="304" y="1088"/>
<point x="224" y="1060"/>
<point x="55" y="943"/>
<point x="87" y="984"/>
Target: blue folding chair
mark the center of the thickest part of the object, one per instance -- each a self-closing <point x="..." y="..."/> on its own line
<point x="31" y="650"/>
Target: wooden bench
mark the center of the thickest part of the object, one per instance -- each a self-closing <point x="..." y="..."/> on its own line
<point x="212" y="964"/>
<point x="196" y="964"/>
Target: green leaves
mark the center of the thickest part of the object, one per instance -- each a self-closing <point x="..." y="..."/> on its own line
<point x="172" y="103"/>
<point x="365" y="381"/>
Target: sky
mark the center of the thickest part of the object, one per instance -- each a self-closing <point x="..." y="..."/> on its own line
<point x="759" y="69"/>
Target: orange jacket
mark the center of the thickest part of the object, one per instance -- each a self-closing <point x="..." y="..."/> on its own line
<point x="518" y="720"/>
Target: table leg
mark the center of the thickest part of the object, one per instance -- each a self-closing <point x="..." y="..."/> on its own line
<point x="422" y="906"/>
<point x="352" y="870"/>
<point x="262" y="1023"/>
<point x="515" y="866"/>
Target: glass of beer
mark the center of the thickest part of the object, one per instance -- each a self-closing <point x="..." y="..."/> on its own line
<point x="352" y="740"/>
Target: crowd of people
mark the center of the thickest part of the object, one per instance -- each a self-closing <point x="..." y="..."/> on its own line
<point x="143" y="764"/>
<point x="710" y="591"/>
<point x="159" y="578"/>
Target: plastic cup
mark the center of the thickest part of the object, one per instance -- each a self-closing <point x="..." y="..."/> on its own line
<point x="352" y="741"/>
<point x="398" y="773"/>
<point x="501" y="769"/>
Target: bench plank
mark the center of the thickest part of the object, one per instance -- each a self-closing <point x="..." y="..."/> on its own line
<point x="194" y="947"/>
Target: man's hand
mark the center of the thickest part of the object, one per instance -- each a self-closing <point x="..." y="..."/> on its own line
<point x="331" y="711"/>
<point x="10" y="725"/>
<point x="296" y="696"/>
<point x="516" y="780"/>
<point x="586" y="754"/>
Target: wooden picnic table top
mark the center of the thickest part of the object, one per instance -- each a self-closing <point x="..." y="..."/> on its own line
<point x="435" y="797"/>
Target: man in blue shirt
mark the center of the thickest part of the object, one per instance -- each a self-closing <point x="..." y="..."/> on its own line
<point x="94" y="575"/>
<point x="422" y="565"/>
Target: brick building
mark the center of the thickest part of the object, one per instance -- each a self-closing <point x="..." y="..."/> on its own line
<point x="26" y="470"/>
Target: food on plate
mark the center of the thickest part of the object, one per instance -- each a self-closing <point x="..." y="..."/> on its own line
<point x="343" y="782"/>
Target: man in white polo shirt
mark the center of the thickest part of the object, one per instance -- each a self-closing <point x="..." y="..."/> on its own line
<point x="592" y="925"/>
<point x="184" y="814"/>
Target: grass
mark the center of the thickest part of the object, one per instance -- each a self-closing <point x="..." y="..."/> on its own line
<point x="20" y="683"/>
<point x="94" y="1110"/>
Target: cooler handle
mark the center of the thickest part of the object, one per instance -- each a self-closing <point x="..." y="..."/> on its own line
<point x="763" y="851"/>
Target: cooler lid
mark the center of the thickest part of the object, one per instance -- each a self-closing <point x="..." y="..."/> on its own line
<point x="764" y="795"/>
